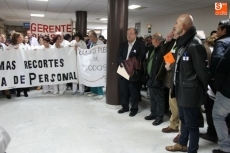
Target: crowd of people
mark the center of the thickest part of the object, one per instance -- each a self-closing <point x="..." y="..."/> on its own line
<point x="199" y="75"/>
<point x="28" y="42"/>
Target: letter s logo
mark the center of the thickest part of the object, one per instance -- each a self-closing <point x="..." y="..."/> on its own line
<point x="218" y="6"/>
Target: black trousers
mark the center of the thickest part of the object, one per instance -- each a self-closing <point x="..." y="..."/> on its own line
<point x="157" y="99"/>
<point x="208" y="111"/>
<point x="129" y="91"/>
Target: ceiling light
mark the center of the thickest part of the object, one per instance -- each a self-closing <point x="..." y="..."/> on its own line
<point x="37" y="15"/>
<point x="134" y="7"/>
<point x="42" y="0"/>
<point x="104" y="19"/>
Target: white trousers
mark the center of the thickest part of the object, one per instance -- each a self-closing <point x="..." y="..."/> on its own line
<point x="47" y="88"/>
<point x="59" y="87"/>
<point x="81" y="87"/>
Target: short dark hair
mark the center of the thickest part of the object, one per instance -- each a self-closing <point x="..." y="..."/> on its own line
<point x="39" y="37"/>
<point x="214" y="31"/>
<point x="47" y="39"/>
<point x="67" y="36"/>
<point x="79" y="35"/>
<point x="102" y="37"/>
<point x="55" y="37"/>
<point x="225" y="24"/>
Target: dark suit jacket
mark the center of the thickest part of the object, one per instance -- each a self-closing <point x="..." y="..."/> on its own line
<point x="191" y="75"/>
<point x="137" y="50"/>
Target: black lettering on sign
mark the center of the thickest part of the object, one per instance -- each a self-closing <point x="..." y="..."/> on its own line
<point x="52" y="76"/>
<point x="61" y="62"/>
<point x="45" y="63"/>
<point x="71" y="76"/>
<point x="30" y="64"/>
<point x="46" y="78"/>
<point x="15" y="79"/>
<point x="22" y="78"/>
<point x="32" y="76"/>
<point x="35" y="64"/>
<point x="74" y="75"/>
<point x="56" y="62"/>
<point x="40" y="63"/>
<point x="2" y="66"/>
<point x="65" y="76"/>
<point x="3" y="82"/>
<point x="51" y="60"/>
<point x="26" y="65"/>
<point x="40" y="78"/>
<point x="59" y="77"/>
<point x="13" y="65"/>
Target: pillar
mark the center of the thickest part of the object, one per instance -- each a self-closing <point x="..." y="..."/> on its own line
<point x="116" y="35"/>
<point x="81" y="22"/>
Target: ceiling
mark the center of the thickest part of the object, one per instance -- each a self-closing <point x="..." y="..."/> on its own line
<point x="15" y="12"/>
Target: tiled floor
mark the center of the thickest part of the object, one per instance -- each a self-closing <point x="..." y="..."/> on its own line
<point x="80" y="124"/>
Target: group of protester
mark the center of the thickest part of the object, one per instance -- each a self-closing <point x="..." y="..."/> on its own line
<point x="28" y="42"/>
<point x="199" y="75"/>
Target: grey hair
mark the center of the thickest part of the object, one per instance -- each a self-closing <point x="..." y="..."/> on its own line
<point x="93" y="33"/>
<point x="158" y="37"/>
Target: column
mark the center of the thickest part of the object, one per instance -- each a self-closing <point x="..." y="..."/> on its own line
<point x="116" y="35"/>
<point x="81" y="22"/>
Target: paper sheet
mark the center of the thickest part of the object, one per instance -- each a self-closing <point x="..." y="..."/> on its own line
<point x="122" y="72"/>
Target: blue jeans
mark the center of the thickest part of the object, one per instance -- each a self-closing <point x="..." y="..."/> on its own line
<point x="189" y="127"/>
<point x="97" y="90"/>
<point x="220" y="111"/>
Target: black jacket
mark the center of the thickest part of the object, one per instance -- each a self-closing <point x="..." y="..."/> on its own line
<point x="153" y="81"/>
<point x="222" y="75"/>
<point x="191" y="72"/>
<point x="137" y="50"/>
<point x="220" y="46"/>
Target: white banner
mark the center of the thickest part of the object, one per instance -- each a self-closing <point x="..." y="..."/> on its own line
<point x="92" y="66"/>
<point x="49" y="27"/>
<point x="26" y="68"/>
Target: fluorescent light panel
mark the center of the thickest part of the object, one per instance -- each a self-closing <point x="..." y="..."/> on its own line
<point x="103" y="19"/>
<point x="42" y="0"/>
<point x="132" y="7"/>
<point x="37" y="15"/>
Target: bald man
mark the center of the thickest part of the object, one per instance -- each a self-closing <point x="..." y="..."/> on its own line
<point x="156" y="84"/>
<point x="190" y="83"/>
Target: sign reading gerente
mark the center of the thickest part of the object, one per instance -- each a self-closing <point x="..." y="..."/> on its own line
<point x="91" y="64"/>
<point x="49" y="27"/>
<point x="26" y="68"/>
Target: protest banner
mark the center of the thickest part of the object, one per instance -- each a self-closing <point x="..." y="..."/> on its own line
<point x="91" y="64"/>
<point x="27" y="68"/>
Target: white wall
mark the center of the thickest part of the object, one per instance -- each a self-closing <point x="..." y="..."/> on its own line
<point x="204" y="19"/>
<point x="104" y="33"/>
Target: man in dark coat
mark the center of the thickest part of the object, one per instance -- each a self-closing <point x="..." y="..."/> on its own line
<point x="155" y="84"/>
<point x="221" y="107"/>
<point x="191" y="82"/>
<point x="130" y="90"/>
<point x="220" y="46"/>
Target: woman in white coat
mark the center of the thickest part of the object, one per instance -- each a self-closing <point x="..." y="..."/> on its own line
<point x="46" y="45"/>
<point x="59" y="88"/>
<point x="78" y="42"/>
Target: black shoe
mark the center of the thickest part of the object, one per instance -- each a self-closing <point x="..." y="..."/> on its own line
<point x="131" y="114"/>
<point x="25" y="94"/>
<point x="157" y="122"/>
<point x="206" y="136"/>
<point x="123" y="110"/>
<point x="150" y="117"/>
<point x="18" y="94"/>
<point x="8" y="96"/>
<point x="218" y="151"/>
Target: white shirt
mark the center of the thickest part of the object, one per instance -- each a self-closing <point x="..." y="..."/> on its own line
<point x="99" y="42"/>
<point x="33" y="41"/>
<point x="81" y="44"/>
<point x="130" y="48"/>
<point x="3" y="46"/>
<point x="18" y="46"/>
<point x="65" y="43"/>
